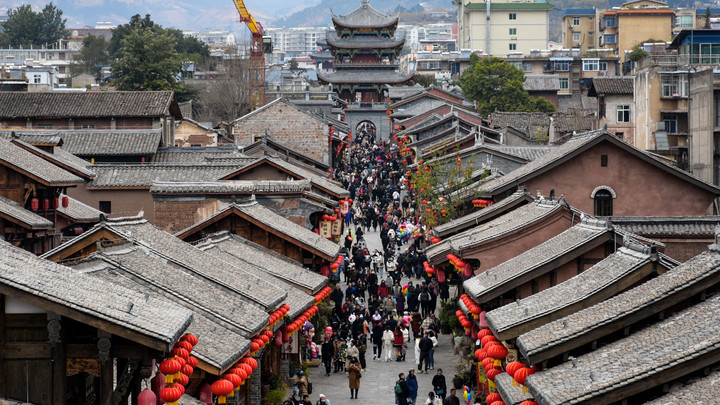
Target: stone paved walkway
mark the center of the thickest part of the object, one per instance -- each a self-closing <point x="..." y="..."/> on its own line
<point x="378" y="381"/>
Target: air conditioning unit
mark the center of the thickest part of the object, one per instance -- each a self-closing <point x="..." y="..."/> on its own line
<point x="661" y="126"/>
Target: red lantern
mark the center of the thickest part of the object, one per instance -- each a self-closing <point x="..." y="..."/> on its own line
<point x="492" y="373"/>
<point x="467" y="271"/>
<point x="65" y="202"/>
<point x="250" y="362"/>
<point x="522" y="374"/>
<point x="147" y="397"/>
<point x="234" y="379"/>
<point x="248" y="369"/>
<point x="34" y="204"/>
<point x="55" y="203"/>
<point x="492" y="398"/>
<point x="254" y="346"/>
<point x="512" y="367"/>
<point x="480" y="354"/>
<point x="171" y="394"/>
<point x="528" y="402"/>
<point x="180" y="352"/>
<point x="497" y="403"/>
<point x="483" y="333"/>
<point x="183" y="380"/>
<point x="239" y="372"/>
<point x="185" y="345"/>
<point x="222" y="388"/>
<point x="187" y="370"/>
<point x="170" y="367"/>
<point x="192" y="361"/>
<point x="264" y="338"/>
<point x="484" y="341"/>
<point x="497" y="352"/>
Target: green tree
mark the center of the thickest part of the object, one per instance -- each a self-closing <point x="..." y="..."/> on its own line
<point x="147" y="61"/>
<point x="92" y="57"/>
<point x="24" y="27"/>
<point x="496" y="85"/>
<point x="707" y="18"/>
<point x="293" y="65"/>
<point x="121" y="31"/>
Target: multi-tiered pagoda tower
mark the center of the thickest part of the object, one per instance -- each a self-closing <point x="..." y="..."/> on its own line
<point x="365" y="52"/>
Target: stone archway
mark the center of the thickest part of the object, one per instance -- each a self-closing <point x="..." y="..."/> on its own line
<point x="367" y="127"/>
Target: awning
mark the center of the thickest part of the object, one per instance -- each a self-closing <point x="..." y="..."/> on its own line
<point x="562" y="58"/>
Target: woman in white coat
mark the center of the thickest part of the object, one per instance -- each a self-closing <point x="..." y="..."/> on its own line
<point x="387" y="339"/>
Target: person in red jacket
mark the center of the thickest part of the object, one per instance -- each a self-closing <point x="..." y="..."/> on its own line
<point x="398" y="343"/>
<point x="383" y="290"/>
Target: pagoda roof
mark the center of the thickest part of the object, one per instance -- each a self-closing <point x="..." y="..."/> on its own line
<point x="365" y="76"/>
<point x="335" y="41"/>
<point x="365" y="17"/>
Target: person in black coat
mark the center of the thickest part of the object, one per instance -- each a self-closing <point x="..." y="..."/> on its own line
<point x="327" y="352"/>
<point x="377" y="332"/>
<point x="439" y="384"/>
<point x="402" y="396"/>
<point x="337" y="297"/>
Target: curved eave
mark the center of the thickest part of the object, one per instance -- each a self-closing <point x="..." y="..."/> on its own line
<point x="326" y="80"/>
<point x="348" y="45"/>
<point x="342" y="24"/>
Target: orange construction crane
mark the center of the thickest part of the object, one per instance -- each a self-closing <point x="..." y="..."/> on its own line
<point x="260" y="45"/>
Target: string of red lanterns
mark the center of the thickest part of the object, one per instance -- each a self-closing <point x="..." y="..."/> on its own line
<point x="176" y="370"/>
<point x="481" y="203"/>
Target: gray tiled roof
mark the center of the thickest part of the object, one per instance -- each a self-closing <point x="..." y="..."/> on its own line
<point x="317" y="180"/>
<point x="79" y="211"/>
<point x="678" y="341"/>
<point x="524" y="267"/>
<point x="194" y="154"/>
<point x="541" y="83"/>
<point x="612" y="85"/>
<point x="218" y="345"/>
<point x="509" y="222"/>
<point x="57" y="104"/>
<point x="271" y="261"/>
<point x="567" y="123"/>
<point x="365" y="16"/>
<point x="643" y="299"/>
<point x="246" y="285"/>
<point x="360" y="43"/>
<point x="526" y="121"/>
<point x="230" y="187"/>
<point x="143" y="175"/>
<point x="524" y="152"/>
<point x="112" y="143"/>
<point x="404" y="92"/>
<point x="587" y="288"/>
<point x="59" y="157"/>
<point x="667" y="226"/>
<point x="704" y="390"/>
<point x="29" y="218"/>
<point x="14" y="155"/>
<point x="576" y="145"/>
<point x="34" y="137"/>
<point x="280" y="224"/>
<point x="364" y="76"/>
<point x="511" y="395"/>
<point x="478" y="216"/>
<point x="129" y="262"/>
<point x="149" y="315"/>
<point x="297" y="299"/>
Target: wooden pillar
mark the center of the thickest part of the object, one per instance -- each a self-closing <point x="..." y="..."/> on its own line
<point x="3" y="377"/>
<point x="58" y="357"/>
<point x="106" y="369"/>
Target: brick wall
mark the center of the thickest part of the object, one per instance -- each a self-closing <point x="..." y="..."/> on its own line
<point x="174" y="216"/>
<point x="287" y="125"/>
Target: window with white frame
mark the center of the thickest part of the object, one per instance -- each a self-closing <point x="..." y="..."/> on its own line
<point x="37" y="79"/>
<point x="670" y="121"/>
<point x="513" y="31"/>
<point x="591" y="65"/>
<point x="564" y="83"/>
<point x="623" y="113"/>
<point x="674" y="85"/>
<point x="562" y="66"/>
<point x="527" y="66"/>
<point x="602" y="66"/>
<point x="576" y="20"/>
<point x="576" y="36"/>
<point x="512" y="47"/>
<point x="512" y="16"/>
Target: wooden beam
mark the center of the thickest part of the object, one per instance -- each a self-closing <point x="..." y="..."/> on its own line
<point x="106" y="377"/>
<point x="58" y="358"/>
<point x="3" y="377"/>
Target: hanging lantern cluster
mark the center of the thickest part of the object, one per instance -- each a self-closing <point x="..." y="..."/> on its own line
<point x="481" y="203"/>
<point x="300" y="321"/>
<point x="471" y="305"/>
<point x="327" y="217"/>
<point x="460" y="265"/>
<point x="405" y="151"/>
<point x="430" y="270"/>
<point x="435" y="239"/>
<point x="278" y="315"/>
<point x="464" y="321"/>
<point x="178" y="368"/>
<point x="260" y="341"/>
<point x="521" y="374"/>
<point x="337" y="263"/>
<point x="322" y="294"/>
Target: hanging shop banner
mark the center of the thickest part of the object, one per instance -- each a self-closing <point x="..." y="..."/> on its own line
<point x="326" y="229"/>
<point x="337" y="228"/>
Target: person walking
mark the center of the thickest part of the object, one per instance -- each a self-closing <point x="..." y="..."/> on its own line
<point x="432" y="399"/>
<point x="351" y="353"/>
<point x="452" y="399"/>
<point x="431" y="358"/>
<point x="439" y="384"/>
<point x="426" y="345"/>
<point x="327" y="351"/>
<point x="302" y="384"/>
<point x="402" y="392"/>
<point x="412" y="384"/>
<point x="388" y="338"/>
<point x="398" y="342"/>
<point x="377" y="342"/>
<point x="354" y="375"/>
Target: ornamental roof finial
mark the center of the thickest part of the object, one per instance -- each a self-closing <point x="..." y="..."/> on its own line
<point x="365" y="2"/>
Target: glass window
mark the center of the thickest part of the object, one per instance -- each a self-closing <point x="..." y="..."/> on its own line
<point x="515" y="63"/>
<point x="602" y="66"/>
<point x="37" y="79"/>
<point x="610" y="21"/>
<point x="591" y="65"/>
<point x="512" y="47"/>
<point x="623" y="113"/>
<point x="670" y="121"/>
<point x="603" y="203"/>
<point x="576" y="20"/>
<point x="674" y="86"/>
<point x="88" y="126"/>
<point x="512" y="16"/>
<point x="564" y="83"/>
<point x="609" y="38"/>
<point x="576" y="36"/>
<point x="513" y="31"/>
<point x="562" y="66"/>
<point x="527" y="66"/>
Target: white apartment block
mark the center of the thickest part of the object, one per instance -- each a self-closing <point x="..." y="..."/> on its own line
<point x="506" y="27"/>
<point x="290" y="43"/>
<point x="59" y="57"/>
